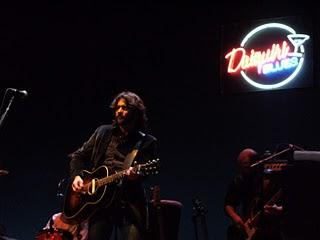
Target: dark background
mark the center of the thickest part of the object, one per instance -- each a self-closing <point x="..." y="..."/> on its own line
<point x="73" y="58"/>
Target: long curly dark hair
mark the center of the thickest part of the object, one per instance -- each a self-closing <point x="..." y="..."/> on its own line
<point x="135" y="104"/>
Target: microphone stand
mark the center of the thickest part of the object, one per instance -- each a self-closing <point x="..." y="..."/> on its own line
<point x="260" y="166"/>
<point x="272" y="156"/>
<point x="4" y="115"/>
<point x="4" y="172"/>
<point x="2" y="118"/>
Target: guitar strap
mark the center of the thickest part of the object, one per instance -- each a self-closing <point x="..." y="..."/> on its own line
<point x="132" y="155"/>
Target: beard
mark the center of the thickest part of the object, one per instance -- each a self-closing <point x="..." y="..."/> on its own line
<point x="124" y="120"/>
<point x="121" y="120"/>
<point x="129" y="120"/>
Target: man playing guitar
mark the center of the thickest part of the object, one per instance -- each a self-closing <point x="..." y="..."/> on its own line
<point x="252" y="222"/>
<point x="109" y="148"/>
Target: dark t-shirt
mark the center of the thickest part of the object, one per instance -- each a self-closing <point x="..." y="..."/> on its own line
<point x="115" y="156"/>
<point x="118" y="148"/>
<point x="241" y="193"/>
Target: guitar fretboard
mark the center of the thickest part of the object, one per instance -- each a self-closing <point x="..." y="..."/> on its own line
<point x="112" y="178"/>
<point x="255" y="219"/>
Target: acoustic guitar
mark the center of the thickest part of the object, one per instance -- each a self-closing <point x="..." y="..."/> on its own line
<point x="99" y="188"/>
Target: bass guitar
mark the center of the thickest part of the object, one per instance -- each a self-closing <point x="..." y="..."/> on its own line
<point x="99" y="189"/>
<point x="252" y="223"/>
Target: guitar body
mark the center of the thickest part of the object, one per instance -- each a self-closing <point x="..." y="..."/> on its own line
<point x="234" y="233"/>
<point x="100" y="190"/>
<point x="78" y="206"/>
<point x="251" y="232"/>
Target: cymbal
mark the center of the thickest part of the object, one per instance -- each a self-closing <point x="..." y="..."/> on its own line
<point x="3" y="172"/>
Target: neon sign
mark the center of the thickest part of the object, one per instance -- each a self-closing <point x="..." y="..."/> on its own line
<point x="273" y="65"/>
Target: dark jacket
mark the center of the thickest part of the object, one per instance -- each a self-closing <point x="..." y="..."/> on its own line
<point x="92" y="155"/>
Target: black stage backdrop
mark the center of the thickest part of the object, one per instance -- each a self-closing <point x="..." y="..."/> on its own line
<point x="73" y="58"/>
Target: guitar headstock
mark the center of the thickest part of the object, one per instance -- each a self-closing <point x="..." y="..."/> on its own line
<point x="199" y="208"/>
<point x="149" y="168"/>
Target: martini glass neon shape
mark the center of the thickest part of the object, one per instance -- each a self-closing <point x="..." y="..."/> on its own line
<point x="297" y="40"/>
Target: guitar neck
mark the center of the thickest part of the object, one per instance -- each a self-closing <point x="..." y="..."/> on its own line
<point x="117" y="176"/>
<point x="255" y="219"/>
<point x="112" y="178"/>
<point x="147" y="168"/>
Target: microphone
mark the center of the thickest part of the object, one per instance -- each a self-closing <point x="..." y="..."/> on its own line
<point x="21" y="93"/>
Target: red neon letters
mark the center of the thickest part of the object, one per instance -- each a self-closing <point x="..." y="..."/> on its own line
<point x="239" y="60"/>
